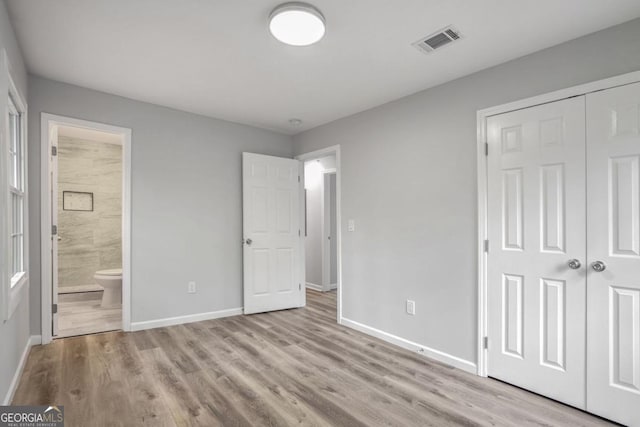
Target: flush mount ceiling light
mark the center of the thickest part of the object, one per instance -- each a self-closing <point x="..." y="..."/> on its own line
<point x="297" y="24"/>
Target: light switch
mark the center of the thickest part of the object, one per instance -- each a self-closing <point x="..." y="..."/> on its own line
<point x="411" y="307"/>
<point x="351" y="225"/>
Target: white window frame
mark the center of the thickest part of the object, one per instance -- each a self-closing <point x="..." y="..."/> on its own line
<point x="15" y="287"/>
<point x="17" y="190"/>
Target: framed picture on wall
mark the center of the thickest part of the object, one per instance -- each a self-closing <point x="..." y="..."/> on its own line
<point x="77" y="201"/>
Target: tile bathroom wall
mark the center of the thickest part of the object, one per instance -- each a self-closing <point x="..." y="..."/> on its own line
<point x="90" y="240"/>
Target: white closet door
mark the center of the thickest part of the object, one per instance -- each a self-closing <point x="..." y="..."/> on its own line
<point x="613" y="230"/>
<point x="271" y="217"/>
<point x="536" y="302"/>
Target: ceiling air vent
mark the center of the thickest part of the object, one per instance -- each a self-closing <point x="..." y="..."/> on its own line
<point x="438" y="39"/>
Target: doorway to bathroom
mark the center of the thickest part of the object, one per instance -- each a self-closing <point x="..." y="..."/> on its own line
<point x="85" y="228"/>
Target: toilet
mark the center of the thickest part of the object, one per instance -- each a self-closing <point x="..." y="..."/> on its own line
<point x="111" y="281"/>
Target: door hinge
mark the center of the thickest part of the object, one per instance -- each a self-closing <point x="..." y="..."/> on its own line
<point x="485" y="343"/>
<point x="54" y="150"/>
<point x="299" y="234"/>
<point x="486" y="148"/>
<point x="54" y="308"/>
<point x="54" y="230"/>
<point x="486" y="245"/>
<point x="299" y="286"/>
<point x="298" y="178"/>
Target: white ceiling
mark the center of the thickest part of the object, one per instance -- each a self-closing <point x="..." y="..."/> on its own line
<point x="216" y="57"/>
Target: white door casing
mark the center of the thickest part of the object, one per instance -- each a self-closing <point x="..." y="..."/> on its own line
<point x="53" y="187"/>
<point x="613" y="238"/>
<point x="271" y="227"/>
<point x="48" y="292"/>
<point x="536" y="225"/>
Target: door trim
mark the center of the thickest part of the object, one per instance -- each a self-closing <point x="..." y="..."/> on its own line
<point x="47" y="121"/>
<point x="334" y="149"/>
<point x="482" y="179"/>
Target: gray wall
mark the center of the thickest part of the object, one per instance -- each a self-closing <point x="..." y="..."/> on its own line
<point x="186" y="198"/>
<point x="14" y="333"/>
<point x="89" y="240"/>
<point x="409" y="181"/>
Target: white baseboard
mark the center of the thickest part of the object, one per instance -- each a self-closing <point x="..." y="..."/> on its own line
<point x="320" y="288"/>
<point x="315" y="287"/>
<point x="170" y="321"/>
<point x="33" y="340"/>
<point x="440" y="356"/>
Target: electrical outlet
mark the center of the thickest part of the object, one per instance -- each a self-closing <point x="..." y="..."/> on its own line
<point x="411" y="307"/>
<point x="191" y="288"/>
<point x="351" y="225"/>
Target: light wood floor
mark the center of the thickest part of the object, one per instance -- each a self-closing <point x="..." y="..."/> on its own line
<point x="294" y="367"/>
<point x="81" y="313"/>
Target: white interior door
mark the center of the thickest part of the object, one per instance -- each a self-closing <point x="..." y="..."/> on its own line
<point x="271" y="223"/>
<point x="613" y="230"/>
<point x="536" y="197"/>
<point x="53" y="170"/>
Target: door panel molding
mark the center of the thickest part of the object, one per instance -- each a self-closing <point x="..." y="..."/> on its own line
<point x="552" y="323"/>
<point x="512" y="315"/>
<point x="552" y="207"/>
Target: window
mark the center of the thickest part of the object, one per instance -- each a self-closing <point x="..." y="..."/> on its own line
<point x="15" y="140"/>
<point x="14" y="206"/>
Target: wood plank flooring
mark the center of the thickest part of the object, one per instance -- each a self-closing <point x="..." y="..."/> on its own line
<point x="81" y="313"/>
<point x="292" y="367"/>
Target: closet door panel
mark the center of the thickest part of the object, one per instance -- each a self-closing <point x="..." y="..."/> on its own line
<point x="613" y="249"/>
<point x="536" y="301"/>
